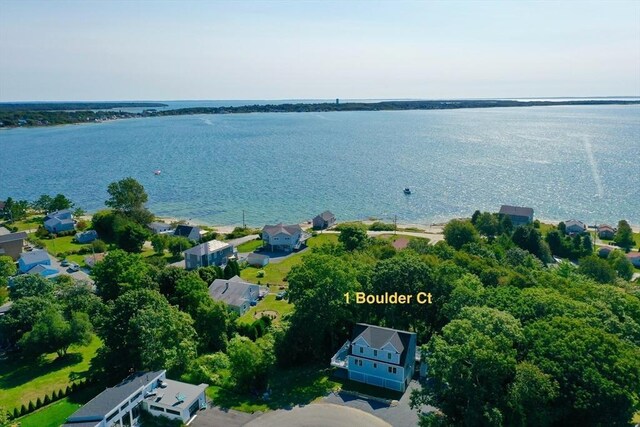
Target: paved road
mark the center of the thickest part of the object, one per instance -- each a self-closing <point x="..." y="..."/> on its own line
<point x="400" y="415"/>
<point x="216" y="417"/>
<point x="78" y="275"/>
<point x="241" y="240"/>
<point x="318" y="415"/>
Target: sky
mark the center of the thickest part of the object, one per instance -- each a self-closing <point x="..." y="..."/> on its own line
<point x="202" y="50"/>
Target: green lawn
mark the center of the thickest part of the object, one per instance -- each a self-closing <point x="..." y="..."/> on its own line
<point x="289" y="387"/>
<point x="249" y="246"/>
<point x="30" y="223"/>
<point x="545" y="228"/>
<point x="61" y="244"/>
<point x="22" y="381"/>
<point x="55" y="414"/>
<point x="636" y="418"/>
<point x="275" y="273"/>
<point x="282" y="307"/>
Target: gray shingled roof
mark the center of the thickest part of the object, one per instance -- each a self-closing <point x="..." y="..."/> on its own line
<point x="377" y="337"/>
<point x="167" y="396"/>
<point x="516" y="210"/>
<point x="34" y="256"/>
<point x="13" y="236"/>
<point x="205" y="248"/>
<point x="101" y="405"/>
<point x="280" y="228"/>
<point x="232" y="292"/>
<point x="574" y="222"/>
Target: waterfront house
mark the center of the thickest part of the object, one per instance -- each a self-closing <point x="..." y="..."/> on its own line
<point x="604" y="251"/>
<point x="285" y="238"/>
<point x="190" y="232"/>
<point x="325" y="220"/>
<point x="573" y="226"/>
<point x="378" y="356"/>
<point x="59" y="221"/>
<point x="122" y="404"/>
<point x="213" y="252"/>
<point x="160" y="227"/>
<point x="606" y="232"/>
<point x="28" y="260"/>
<point x="257" y="260"/>
<point x="236" y="293"/>
<point x="86" y="236"/>
<point x="519" y="215"/>
<point x="11" y="244"/>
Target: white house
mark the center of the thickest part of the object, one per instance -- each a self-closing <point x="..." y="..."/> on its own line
<point x="284" y="238"/>
<point x="257" y="260"/>
<point x="190" y="232"/>
<point x="122" y="404"/>
<point x="236" y="293"/>
<point x="208" y="253"/>
<point x="378" y="356"/>
<point x="573" y="226"/>
<point x="160" y="227"/>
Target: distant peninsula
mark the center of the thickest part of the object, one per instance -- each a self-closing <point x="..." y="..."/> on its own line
<point x="50" y="114"/>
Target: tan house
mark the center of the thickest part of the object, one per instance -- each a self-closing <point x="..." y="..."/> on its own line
<point x="11" y="244"/>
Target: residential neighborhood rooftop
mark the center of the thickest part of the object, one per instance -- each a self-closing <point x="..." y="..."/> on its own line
<point x="280" y="228"/>
<point x="232" y="291"/>
<point x="378" y="337"/>
<point x="515" y="210"/>
<point x="207" y="248"/>
<point x="326" y="215"/>
<point x="167" y="395"/>
<point x="13" y="237"/>
<point x="34" y="256"/>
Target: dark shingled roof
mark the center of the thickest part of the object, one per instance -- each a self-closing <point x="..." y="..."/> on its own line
<point x="326" y="215"/>
<point x="183" y="230"/>
<point x="13" y="236"/>
<point x="377" y="337"/>
<point x="279" y="228"/>
<point x="516" y="210"/>
<point x="101" y="405"/>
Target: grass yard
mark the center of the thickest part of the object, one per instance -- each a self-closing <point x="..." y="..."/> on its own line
<point x="61" y="244"/>
<point x="270" y="303"/>
<point x="55" y="414"/>
<point x="22" y="381"/>
<point x="275" y="273"/>
<point x="545" y="228"/>
<point x="289" y="387"/>
<point x="249" y="246"/>
<point x="30" y="223"/>
<point x="636" y="418"/>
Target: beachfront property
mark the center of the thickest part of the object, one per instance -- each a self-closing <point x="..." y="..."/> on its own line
<point x="190" y="232"/>
<point x="28" y="260"/>
<point x="257" y="260"/>
<point x="634" y="257"/>
<point x="325" y="220"/>
<point x="519" y="215"/>
<point x="160" y="227"/>
<point x="213" y="252"/>
<point x="59" y="221"/>
<point x="604" y="251"/>
<point x="122" y="404"/>
<point x="378" y="356"/>
<point x="86" y="236"/>
<point x="283" y="238"/>
<point x="236" y="293"/>
<point x="606" y="232"/>
<point x="11" y="244"/>
<point x="573" y="226"/>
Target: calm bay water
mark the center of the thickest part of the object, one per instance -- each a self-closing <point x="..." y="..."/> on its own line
<point x="566" y="162"/>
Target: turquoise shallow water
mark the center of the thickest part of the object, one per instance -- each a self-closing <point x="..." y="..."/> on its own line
<point x="566" y="162"/>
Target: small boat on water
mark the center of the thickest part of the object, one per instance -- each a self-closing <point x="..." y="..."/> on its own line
<point x="407" y="191"/>
<point x="157" y="172"/>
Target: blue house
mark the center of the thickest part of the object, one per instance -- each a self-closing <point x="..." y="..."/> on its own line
<point x="86" y="236"/>
<point x="59" y="221"/>
<point x="378" y="356"/>
<point x="28" y="260"/>
<point x="44" y="270"/>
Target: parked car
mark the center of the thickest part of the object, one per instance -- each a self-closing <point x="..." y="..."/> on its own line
<point x="64" y="263"/>
<point x="73" y="268"/>
<point x="281" y="295"/>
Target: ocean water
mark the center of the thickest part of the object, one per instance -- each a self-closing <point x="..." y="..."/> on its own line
<point x="564" y="161"/>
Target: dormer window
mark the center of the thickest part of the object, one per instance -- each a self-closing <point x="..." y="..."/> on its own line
<point x="389" y="356"/>
<point x="361" y="350"/>
<point x="375" y="352"/>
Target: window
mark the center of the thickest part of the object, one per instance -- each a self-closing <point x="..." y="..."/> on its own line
<point x="135" y="397"/>
<point x="171" y="411"/>
<point x="361" y="350"/>
<point x="375" y="365"/>
<point x="156" y="408"/>
<point x="394" y="370"/>
<point x="389" y="356"/>
<point x="123" y="406"/>
<point x="389" y="369"/>
<point x="375" y="352"/>
<point x="112" y="416"/>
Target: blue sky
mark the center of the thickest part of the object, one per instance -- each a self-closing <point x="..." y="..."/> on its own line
<point x="120" y="50"/>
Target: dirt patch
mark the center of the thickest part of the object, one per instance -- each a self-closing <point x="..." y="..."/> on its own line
<point x="400" y="243"/>
<point x="269" y="313"/>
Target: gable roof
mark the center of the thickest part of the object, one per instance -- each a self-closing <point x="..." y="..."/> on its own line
<point x="39" y="269"/>
<point x="158" y="225"/>
<point x="34" y="257"/>
<point x="326" y="215"/>
<point x="13" y="237"/>
<point x="516" y="210"/>
<point x="56" y="214"/>
<point x="185" y="230"/>
<point x="55" y="220"/>
<point x="207" y="248"/>
<point x="280" y="228"/>
<point x="232" y="291"/>
<point x="605" y="227"/>
<point x="101" y="405"/>
<point x="378" y="337"/>
<point x="572" y="222"/>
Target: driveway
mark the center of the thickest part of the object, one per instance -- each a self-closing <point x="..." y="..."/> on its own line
<point x="78" y="275"/>
<point x="217" y="417"/>
<point x="400" y="415"/>
<point x="318" y="415"/>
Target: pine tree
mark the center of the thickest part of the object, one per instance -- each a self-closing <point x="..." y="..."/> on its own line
<point x="47" y="399"/>
<point x="16" y="413"/>
<point x="31" y="406"/>
<point x="54" y="396"/>
<point x="38" y="403"/>
<point x="23" y="410"/>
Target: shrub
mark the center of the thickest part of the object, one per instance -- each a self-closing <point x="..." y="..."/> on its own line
<point x="31" y="407"/>
<point x="54" y="396"/>
<point x="16" y="413"/>
<point x="23" y="410"/>
<point x="381" y="226"/>
<point x="260" y="273"/>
